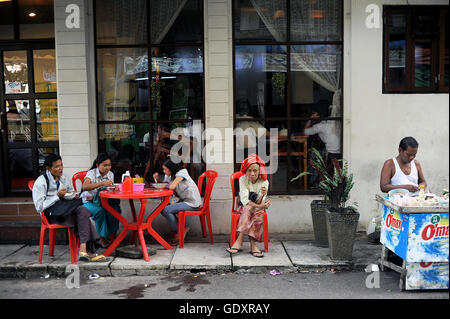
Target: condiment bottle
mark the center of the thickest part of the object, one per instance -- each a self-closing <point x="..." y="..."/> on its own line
<point x="421" y="196"/>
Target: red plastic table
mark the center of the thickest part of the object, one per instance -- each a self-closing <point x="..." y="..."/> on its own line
<point x="138" y="225"/>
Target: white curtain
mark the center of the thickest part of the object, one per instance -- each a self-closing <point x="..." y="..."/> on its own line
<point x="122" y="22"/>
<point x="163" y="15"/>
<point x="318" y="20"/>
<point x="324" y="69"/>
<point x="273" y="14"/>
<point x="130" y="18"/>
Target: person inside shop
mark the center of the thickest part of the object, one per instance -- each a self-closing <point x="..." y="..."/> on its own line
<point x="403" y="171"/>
<point x="185" y="189"/>
<point x="12" y="112"/>
<point x="48" y="190"/>
<point x="328" y="131"/>
<point x="253" y="188"/>
<point x="161" y="148"/>
<point x="98" y="177"/>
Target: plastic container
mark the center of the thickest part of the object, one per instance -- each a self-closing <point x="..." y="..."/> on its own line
<point x="127" y="174"/>
<point x="138" y="187"/>
<point x="398" y="191"/>
<point x="127" y="185"/>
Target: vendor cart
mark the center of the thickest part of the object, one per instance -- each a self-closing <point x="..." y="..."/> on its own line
<point x="419" y="236"/>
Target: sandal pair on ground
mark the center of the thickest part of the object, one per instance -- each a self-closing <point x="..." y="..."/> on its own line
<point x="256" y="253"/>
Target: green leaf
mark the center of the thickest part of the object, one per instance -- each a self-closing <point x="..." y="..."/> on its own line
<point x="300" y="176"/>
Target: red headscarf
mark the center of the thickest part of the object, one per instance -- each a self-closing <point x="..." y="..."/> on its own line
<point x="254" y="159"/>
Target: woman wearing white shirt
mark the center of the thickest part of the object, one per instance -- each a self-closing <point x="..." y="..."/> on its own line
<point x="99" y="176"/>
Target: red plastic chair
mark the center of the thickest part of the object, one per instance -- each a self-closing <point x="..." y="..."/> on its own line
<point x="235" y="215"/>
<point x="78" y="176"/>
<point x="52" y="236"/>
<point x="211" y="177"/>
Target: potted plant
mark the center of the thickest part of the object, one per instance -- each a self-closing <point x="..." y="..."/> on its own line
<point x="340" y="220"/>
<point x="318" y="207"/>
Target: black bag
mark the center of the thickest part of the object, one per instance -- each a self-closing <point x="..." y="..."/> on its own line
<point x="252" y="196"/>
<point x="63" y="207"/>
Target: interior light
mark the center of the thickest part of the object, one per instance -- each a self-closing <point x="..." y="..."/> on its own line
<point x="317" y="14"/>
<point x="32" y="14"/>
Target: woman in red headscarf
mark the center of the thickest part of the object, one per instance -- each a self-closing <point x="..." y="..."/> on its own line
<point x="253" y="187"/>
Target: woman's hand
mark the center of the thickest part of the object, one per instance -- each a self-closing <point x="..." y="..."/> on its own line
<point x="107" y="183"/>
<point x="62" y="192"/>
<point x="263" y="191"/>
<point x="266" y="204"/>
<point x="155" y="177"/>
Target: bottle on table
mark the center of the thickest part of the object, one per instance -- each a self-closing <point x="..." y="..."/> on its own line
<point x="421" y="196"/>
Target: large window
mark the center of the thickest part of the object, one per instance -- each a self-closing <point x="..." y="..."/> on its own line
<point x="416" y="49"/>
<point x="149" y="79"/>
<point x="28" y="98"/>
<point x="288" y="76"/>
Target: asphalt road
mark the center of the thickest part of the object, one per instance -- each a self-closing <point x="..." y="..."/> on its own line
<point x="186" y="285"/>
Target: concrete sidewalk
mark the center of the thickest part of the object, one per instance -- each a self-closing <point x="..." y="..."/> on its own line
<point x="285" y="254"/>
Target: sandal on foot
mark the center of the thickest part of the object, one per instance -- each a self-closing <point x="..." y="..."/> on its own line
<point x="99" y="258"/>
<point x="235" y="250"/>
<point x="83" y="256"/>
<point x="257" y="254"/>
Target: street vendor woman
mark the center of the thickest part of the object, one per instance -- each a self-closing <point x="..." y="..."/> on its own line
<point x="403" y="171"/>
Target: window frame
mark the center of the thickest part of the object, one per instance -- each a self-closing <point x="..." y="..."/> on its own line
<point x="31" y="96"/>
<point x="149" y="46"/>
<point x="291" y="189"/>
<point x="437" y="47"/>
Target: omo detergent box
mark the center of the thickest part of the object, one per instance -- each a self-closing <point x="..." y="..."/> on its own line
<point x="416" y="237"/>
<point x="426" y="275"/>
<point x="421" y="240"/>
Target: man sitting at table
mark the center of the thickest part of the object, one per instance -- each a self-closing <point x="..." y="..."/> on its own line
<point x="403" y="171"/>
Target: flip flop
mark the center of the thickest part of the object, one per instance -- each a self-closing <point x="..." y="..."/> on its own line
<point x="257" y="252"/>
<point x="232" y="253"/>
<point x="99" y="258"/>
<point x="175" y="241"/>
<point x="83" y="256"/>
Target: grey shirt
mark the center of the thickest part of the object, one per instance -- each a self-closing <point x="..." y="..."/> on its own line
<point x="44" y="198"/>
<point x="186" y="190"/>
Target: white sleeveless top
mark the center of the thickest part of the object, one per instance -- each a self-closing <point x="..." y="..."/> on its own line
<point x="401" y="178"/>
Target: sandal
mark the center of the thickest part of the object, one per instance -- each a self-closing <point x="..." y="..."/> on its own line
<point x="83" y="256"/>
<point x="175" y="240"/>
<point x="257" y="254"/>
<point x="236" y="250"/>
<point x="99" y="258"/>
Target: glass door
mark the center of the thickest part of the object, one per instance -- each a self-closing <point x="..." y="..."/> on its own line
<point x="29" y="114"/>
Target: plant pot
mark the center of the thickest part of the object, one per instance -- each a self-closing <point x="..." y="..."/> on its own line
<point x="318" y="214"/>
<point x="341" y="228"/>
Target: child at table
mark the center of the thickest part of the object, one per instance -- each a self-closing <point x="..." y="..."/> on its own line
<point x="98" y="177"/>
<point x="185" y="189"/>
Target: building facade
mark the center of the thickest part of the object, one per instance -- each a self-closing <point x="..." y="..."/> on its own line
<point x="113" y="76"/>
